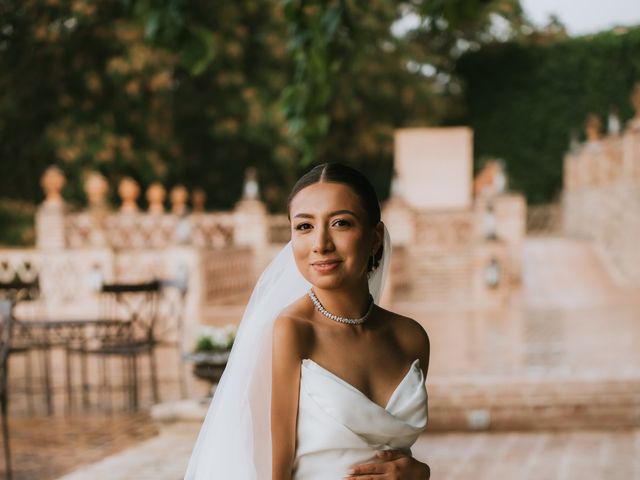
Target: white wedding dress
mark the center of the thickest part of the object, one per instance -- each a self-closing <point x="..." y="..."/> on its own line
<point x="339" y="427"/>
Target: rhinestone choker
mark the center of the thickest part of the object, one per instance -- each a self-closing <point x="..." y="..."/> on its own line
<point x="337" y="318"/>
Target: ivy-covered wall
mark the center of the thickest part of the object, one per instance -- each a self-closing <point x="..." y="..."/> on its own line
<point x="525" y="101"/>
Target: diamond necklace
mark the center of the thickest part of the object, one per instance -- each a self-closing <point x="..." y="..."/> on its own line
<point x="337" y="318"/>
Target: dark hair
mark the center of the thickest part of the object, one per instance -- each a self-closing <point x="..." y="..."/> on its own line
<point x="334" y="172"/>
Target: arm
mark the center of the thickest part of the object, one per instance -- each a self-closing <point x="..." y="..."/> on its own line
<point x="286" y="360"/>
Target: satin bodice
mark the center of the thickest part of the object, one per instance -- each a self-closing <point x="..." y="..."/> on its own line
<point x="338" y="426"/>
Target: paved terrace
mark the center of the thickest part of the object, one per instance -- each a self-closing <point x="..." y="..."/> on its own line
<point x="554" y="377"/>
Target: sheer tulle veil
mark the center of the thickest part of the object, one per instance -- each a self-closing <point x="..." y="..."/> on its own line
<point x="234" y="442"/>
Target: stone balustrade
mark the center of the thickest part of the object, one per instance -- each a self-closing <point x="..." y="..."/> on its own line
<point x="466" y="258"/>
<point x="445" y="257"/>
<point x="601" y="195"/>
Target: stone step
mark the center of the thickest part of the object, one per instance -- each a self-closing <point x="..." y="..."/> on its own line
<point x="560" y="403"/>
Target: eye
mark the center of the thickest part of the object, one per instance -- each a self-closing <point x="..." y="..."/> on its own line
<point x="342" y="223"/>
<point x="300" y="225"/>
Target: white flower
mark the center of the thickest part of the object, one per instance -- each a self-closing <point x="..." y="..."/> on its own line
<point x="220" y="337"/>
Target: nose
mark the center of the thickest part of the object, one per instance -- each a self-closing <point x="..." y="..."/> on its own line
<point x="322" y="241"/>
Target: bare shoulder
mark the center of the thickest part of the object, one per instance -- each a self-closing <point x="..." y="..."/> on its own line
<point x="293" y="331"/>
<point x="412" y="337"/>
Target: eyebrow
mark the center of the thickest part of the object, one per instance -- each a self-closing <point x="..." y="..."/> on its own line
<point x="337" y="212"/>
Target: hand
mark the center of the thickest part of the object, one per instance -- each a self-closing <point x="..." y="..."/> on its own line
<point x="396" y="465"/>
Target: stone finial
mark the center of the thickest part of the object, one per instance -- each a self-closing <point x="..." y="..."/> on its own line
<point x="156" y="194"/>
<point x="52" y="182"/>
<point x="179" y="196"/>
<point x="593" y="127"/>
<point x="129" y="190"/>
<point x="96" y="188"/>
<point x="251" y="189"/>
<point x="491" y="180"/>
<point x="199" y="199"/>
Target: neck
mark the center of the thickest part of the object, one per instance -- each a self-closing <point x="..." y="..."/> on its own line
<point x="348" y="302"/>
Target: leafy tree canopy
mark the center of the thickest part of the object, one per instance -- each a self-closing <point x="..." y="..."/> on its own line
<point x="193" y="91"/>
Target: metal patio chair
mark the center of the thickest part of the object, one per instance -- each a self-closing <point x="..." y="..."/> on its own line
<point x="5" y="347"/>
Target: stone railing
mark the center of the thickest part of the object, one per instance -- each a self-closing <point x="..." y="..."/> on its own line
<point x="143" y="230"/>
<point x="226" y="274"/>
<point x="601" y="196"/>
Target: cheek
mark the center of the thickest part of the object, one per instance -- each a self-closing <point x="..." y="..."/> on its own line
<point x="355" y="242"/>
<point x="300" y="251"/>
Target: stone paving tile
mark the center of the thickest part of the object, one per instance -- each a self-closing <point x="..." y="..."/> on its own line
<point x="579" y="455"/>
<point x="164" y="457"/>
<point x="44" y="448"/>
<point x="573" y="455"/>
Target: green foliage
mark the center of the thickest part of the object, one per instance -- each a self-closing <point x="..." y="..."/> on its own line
<point x="194" y="91"/>
<point x="16" y="223"/>
<point x="525" y="101"/>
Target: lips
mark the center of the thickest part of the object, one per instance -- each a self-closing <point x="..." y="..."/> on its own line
<point x="325" y="266"/>
<point x="325" y="262"/>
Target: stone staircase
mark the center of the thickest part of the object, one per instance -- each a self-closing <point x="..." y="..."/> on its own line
<point x="565" y="358"/>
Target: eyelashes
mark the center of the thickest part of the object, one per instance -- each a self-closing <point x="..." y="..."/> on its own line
<point x="339" y="223"/>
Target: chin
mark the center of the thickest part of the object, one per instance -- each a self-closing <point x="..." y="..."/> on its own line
<point x="325" y="282"/>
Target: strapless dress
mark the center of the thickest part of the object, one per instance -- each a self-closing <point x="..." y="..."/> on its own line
<point x="338" y="426"/>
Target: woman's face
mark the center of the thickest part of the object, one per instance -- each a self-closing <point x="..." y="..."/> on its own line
<point x="330" y="235"/>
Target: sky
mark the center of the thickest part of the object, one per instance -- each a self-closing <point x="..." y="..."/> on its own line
<point x="584" y="16"/>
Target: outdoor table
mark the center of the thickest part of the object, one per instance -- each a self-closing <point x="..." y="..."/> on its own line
<point x="45" y="334"/>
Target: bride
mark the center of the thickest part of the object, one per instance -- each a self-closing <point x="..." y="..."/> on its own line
<point x="321" y="382"/>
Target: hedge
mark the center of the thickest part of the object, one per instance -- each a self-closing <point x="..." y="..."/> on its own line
<point x="524" y="102"/>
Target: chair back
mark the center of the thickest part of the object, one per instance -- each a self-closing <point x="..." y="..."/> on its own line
<point x="170" y="324"/>
<point x="6" y="326"/>
<point x="136" y="303"/>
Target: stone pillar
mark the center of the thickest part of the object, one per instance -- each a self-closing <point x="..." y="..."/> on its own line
<point x="199" y="200"/>
<point x="179" y="198"/>
<point x="511" y="224"/>
<point x="251" y="227"/>
<point x="96" y="188"/>
<point x="128" y="191"/>
<point x="50" y="216"/>
<point x="155" y="196"/>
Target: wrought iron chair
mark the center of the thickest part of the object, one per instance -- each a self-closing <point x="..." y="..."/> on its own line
<point x="5" y="347"/>
<point x="129" y="314"/>
<point x="22" y="292"/>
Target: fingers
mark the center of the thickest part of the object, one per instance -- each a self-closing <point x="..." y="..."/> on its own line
<point x="375" y="470"/>
<point x="389" y="455"/>
<point x="365" y="471"/>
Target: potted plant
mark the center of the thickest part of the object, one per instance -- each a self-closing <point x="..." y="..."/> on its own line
<point x="211" y="351"/>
